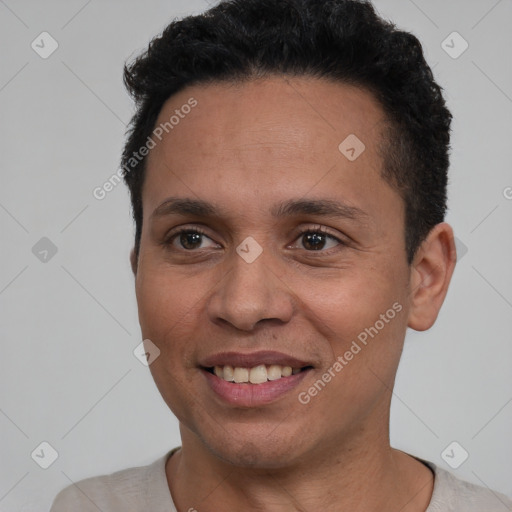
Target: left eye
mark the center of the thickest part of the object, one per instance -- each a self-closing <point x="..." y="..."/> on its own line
<point x="316" y="240"/>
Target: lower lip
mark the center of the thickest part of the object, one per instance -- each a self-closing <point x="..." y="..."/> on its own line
<point x="253" y="395"/>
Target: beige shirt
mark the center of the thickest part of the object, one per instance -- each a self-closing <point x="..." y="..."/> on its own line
<point x="145" y="489"/>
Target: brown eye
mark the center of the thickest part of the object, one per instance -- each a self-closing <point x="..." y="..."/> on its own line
<point x="314" y="241"/>
<point x="187" y="239"/>
<point x="190" y="239"/>
<point x="317" y="239"/>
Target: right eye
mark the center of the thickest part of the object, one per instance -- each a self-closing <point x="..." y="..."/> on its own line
<point x="189" y="239"/>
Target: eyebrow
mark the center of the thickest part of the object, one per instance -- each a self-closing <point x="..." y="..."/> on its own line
<point x="293" y="207"/>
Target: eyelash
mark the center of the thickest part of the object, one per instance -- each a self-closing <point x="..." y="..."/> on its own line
<point x="316" y="229"/>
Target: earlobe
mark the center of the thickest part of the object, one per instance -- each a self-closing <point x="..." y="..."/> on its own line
<point x="133" y="262"/>
<point x="431" y="272"/>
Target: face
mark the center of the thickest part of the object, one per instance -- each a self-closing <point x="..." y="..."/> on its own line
<point x="267" y="271"/>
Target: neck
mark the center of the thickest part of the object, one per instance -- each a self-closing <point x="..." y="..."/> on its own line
<point x="363" y="475"/>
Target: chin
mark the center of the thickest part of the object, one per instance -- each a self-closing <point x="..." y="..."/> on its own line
<point x="257" y="449"/>
<point x="251" y="455"/>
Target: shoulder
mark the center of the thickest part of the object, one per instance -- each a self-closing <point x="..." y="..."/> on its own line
<point x="128" y="490"/>
<point x="451" y="494"/>
<point x="121" y="490"/>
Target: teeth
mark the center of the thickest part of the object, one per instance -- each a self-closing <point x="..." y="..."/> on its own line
<point x="228" y="373"/>
<point x="274" y="372"/>
<point x="241" y="374"/>
<point x="286" y="371"/>
<point x="255" y="375"/>
<point x="258" y="374"/>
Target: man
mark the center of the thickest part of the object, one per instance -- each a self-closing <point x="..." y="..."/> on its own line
<point x="287" y="166"/>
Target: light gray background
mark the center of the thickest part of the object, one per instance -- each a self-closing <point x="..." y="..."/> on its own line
<point x="69" y="326"/>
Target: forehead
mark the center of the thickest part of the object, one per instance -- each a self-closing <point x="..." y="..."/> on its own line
<point x="274" y="110"/>
<point x="272" y="136"/>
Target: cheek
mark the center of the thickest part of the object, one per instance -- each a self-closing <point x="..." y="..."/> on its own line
<point x="363" y="317"/>
<point x="166" y="305"/>
<point x="365" y="328"/>
<point x="166" y="316"/>
<point x="346" y="306"/>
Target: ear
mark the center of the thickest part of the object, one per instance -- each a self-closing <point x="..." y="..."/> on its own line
<point x="431" y="272"/>
<point x="133" y="262"/>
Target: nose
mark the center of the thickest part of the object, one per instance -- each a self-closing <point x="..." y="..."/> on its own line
<point x="250" y="293"/>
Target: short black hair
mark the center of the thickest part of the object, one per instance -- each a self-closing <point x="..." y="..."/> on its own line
<point x="340" y="40"/>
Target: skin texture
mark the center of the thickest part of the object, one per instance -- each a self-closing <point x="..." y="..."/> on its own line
<point x="245" y="148"/>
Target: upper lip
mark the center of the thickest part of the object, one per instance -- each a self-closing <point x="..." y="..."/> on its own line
<point x="241" y="360"/>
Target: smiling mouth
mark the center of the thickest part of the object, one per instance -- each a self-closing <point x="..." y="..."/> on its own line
<point x="255" y="375"/>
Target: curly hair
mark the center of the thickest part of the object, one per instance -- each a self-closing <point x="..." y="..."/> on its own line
<point x="345" y="41"/>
